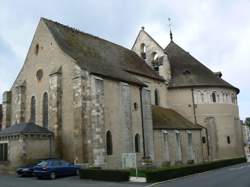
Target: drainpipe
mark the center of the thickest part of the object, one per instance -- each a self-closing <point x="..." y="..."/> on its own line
<point x="142" y="122"/>
<point x="194" y="106"/>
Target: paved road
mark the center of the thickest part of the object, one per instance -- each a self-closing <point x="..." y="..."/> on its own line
<point x="234" y="176"/>
<point x="14" y="181"/>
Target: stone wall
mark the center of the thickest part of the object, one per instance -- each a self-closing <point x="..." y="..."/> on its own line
<point x="20" y="101"/>
<point x="55" y="109"/>
<point x="125" y="114"/>
<point x="220" y="119"/>
<point x="6" y="109"/>
<point x="147" y="123"/>
<point x="25" y="149"/>
<point x="98" y="123"/>
<point x="165" y="146"/>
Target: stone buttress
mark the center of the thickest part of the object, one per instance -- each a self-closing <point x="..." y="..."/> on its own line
<point x="6" y="122"/>
<point x="20" y="100"/>
<point x="55" y="109"/>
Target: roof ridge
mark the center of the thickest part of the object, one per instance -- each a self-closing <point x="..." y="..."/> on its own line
<point x="80" y="45"/>
<point x="85" y="33"/>
<point x="142" y="30"/>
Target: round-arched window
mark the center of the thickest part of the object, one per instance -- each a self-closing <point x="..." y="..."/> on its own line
<point x="39" y="74"/>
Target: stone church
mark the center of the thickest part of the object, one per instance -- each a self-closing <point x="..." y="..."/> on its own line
<point x="87" y="100"/>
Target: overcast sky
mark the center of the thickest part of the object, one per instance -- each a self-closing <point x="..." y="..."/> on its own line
<point x="215" y="32"/>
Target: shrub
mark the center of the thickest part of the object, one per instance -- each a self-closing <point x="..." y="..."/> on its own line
<point x="170" y="173"/>
<point x="105" y="175"/>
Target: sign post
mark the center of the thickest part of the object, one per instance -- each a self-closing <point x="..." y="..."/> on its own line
<point x="129" y="160"/>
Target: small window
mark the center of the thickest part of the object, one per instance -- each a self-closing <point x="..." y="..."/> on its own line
<point x="203" y="139"/>
<point x="143" y="51"/>
<point x="154" y="56"/>
<point x="3" y="152"/>
<point x="109" y="145"/>
<point x="135" y="106"/>
<point x="214" y="97"/>
<point x="137" y="143"/>
<point x="228" y="140"/>
<point x="39" y="74"/>
<point x="157" y="98"/>
<point x="37" y="49"/>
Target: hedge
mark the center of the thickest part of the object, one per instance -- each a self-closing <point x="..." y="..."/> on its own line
<point x="105" y="175"/>
<point x="157" y="175"/>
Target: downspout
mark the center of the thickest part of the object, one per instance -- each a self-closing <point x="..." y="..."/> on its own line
<point x="194" y="106"/>
<point x="142" y="123"/>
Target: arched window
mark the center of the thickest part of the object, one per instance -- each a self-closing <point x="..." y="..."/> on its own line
<point x="33" y="109"/>
<point x="214" y="97"/>
<point x="223" y="97"/>
<point x="202" y="97"/>
<point x="109" y="145"/>
<point x="143" y="50"/>
<point x="157" y="97"/>
<point x="137" y="143"/>
<point x="154" y="56"/>
<point x="45" y="110"/>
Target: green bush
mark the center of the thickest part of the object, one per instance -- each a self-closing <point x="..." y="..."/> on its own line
<point x="141" y="173"/>
<point x="170" y="173"/>
<point x="105" y="175"/>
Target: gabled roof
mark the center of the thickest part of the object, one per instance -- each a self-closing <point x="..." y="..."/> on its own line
<point x="24" y="128"/>
<point x="186" y="71"/>
<point x="148" y="35"/>
<point x="164" y="118"/>
<point x="99" y="56"/>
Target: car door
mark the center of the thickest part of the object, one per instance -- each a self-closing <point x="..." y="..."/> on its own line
<point x="67" y="168"/>
<point x="56" y="167"/>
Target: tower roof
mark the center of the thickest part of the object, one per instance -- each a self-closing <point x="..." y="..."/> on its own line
<point x="99" y="56"/>
<point x="186" y="71"/>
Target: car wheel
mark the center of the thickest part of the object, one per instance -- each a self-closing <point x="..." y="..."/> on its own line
<point x="52" y="175"/>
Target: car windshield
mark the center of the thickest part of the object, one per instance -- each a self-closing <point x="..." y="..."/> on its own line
<point x="43" y="164"/>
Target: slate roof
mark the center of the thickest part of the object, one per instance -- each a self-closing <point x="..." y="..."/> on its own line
<point x="99" y="56"/>
<point x="186" y="71"/>
<point x="164" y="118"/>
<point x="24" y="128"/>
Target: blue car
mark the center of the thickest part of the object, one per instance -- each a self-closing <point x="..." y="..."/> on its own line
<point x="27" y="170"/>
<point x="55" y="168"/>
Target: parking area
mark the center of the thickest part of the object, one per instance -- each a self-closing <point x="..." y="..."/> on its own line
<point x="14" y="181"/>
